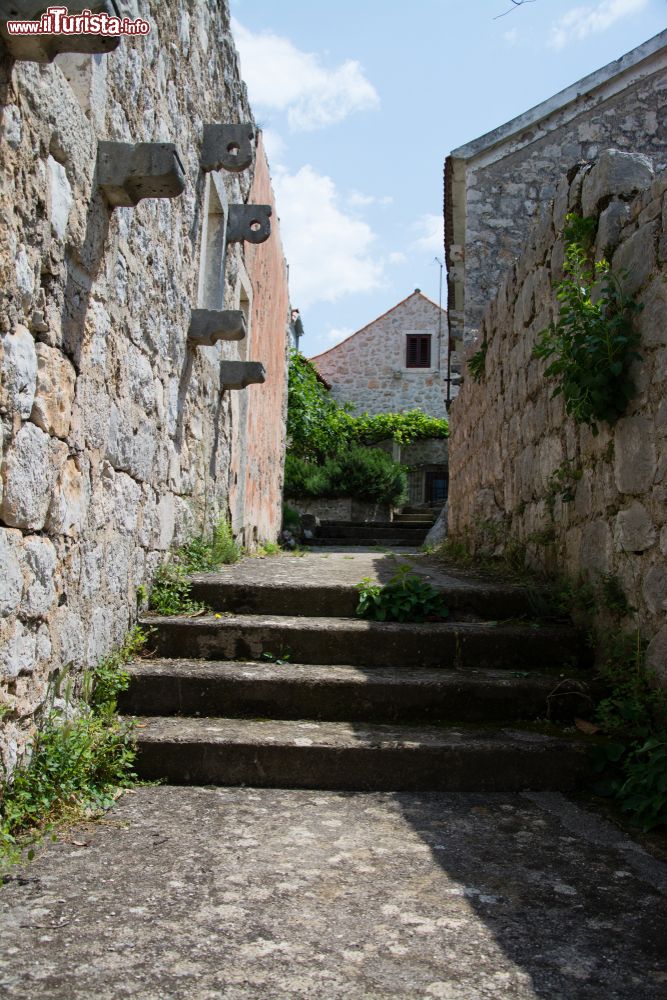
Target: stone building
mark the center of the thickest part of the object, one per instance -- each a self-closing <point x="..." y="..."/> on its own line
<point x="497" y="184"/>
<point x="522" y="471"/>
<point x="143" y="320"/>
<point x="396" y="363"/>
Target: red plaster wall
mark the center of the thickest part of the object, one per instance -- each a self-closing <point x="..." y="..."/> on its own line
<point x="258" y="444"/>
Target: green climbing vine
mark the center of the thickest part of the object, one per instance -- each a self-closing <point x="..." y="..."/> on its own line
<point x="593" y="343"/>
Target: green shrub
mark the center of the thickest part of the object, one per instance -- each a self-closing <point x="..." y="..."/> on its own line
<point x="406" y="598"/>
<point x="362" y="473"/>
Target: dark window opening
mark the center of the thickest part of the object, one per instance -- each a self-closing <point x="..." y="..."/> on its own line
<point x="436" y="486"/>
<point x="418" y="351"/>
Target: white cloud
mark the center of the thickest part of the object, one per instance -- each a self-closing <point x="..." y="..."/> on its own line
<point x="358" y="200"/>
<point x="580" y="22"/>
<point x="281" y="77"/>
<point x="429" y="234"/>
<point x="511" y="37"/>
<point x="335" y="334"/>
<point x="329" y="252"/>
<point x="397" y="257"/>
<point x="274" y="144"/>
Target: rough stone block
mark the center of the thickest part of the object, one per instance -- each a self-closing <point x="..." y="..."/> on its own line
<point x="11" y="576"/>
<point x="249" y="223"/>
<point x="227" y="147"/>
<point x="656" y="655"/>
<point x="635" y="259"/>
<point x="654" y="589"/>
<point x="40" y="561"/>
<point x="635" y="458"/>
<point x="652" y="320"/>
<point x="128" y="172"/>
<point x="54" y="394"/>
<point x="615" y="174"/>
<point x="19" y="372"/>
<point x="611" y="222"/>
<point x="208" y="326"/>
<point x="60" y="198"/>
<point x="239" y="374"/>
<point x="18" y="653"/>
<point x="32" y="463"/>
<point x="634" y="531"/>
<point x="596" y="548"/>
<point x="71" y="496"/>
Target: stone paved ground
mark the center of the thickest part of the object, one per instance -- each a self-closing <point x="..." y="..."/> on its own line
<point x="200" y="894"/>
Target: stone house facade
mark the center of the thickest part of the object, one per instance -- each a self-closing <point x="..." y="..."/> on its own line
<point x="125" y="426"/>
<point x="495" y="186"/>
<point x="394" y="364"/>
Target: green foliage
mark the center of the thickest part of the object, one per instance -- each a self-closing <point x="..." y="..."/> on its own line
<point x="170" y="594"/>
<point x="363" y="473"/>
<point x="404" y="428"/>
<point x="593" y="344"/>
<point x="406" y="598"/>
<point x="633" y="766"/>
<point x="318" y="427"/>
<point x="477" y="362"/>
<point x="103" y="684"/>
<point x="563" y="484"/>
<point x="78" y="759"/>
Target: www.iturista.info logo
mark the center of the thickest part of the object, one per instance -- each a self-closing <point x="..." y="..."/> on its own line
<point x="59" y="21"/>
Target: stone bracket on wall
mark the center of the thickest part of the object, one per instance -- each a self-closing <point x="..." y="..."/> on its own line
<point x="227" y="147"/>
<point x="128" y="172"/>
<point x="248" y="223"/>
<point x="208" y="326"/>
<point x="44" y="48"/>
<point x="239" y="374"/>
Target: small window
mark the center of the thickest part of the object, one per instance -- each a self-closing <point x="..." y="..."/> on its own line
<point x="418" y="351"/>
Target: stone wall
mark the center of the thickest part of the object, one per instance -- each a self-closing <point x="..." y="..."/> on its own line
<point x="369" y="370"/>
<point x="510" y="438"/>
<point x="497" y="185"/>
<point x="117" y="439"/>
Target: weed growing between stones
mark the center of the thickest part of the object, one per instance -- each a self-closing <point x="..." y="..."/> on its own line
<point x="79" y="759"/>
<point x="593" y="344"/>
<point x="170" y="594"/>
<point x="406" y="598"/>
<point x="477" y="362"/>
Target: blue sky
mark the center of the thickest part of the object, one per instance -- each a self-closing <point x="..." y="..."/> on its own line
<point x="361" y="102"/>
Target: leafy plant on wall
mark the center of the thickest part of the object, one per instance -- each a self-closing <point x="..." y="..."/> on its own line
<point x="593" y="344"/>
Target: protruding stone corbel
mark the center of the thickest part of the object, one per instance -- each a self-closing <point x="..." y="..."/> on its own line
<point x="239" y="374"/>
<point x="128" y="172"/>
<point x="208" y="326"/>
<point x="43" y="48"/>
<point x="227" y="147"/>
<point x="248" y="223"/>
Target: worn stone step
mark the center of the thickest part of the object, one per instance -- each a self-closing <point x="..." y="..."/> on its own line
<point x="416" y="519"/>
<point x="337" y="755"/>
<point x="464" y="599"/>
<point x="344" y="693"/>
<point x="364" y="531"/>
<point x="390" y="542"/>
<point x="356" y="642"/>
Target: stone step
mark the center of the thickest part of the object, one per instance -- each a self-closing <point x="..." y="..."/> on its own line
<point x="338" y="755"/>
<point x="416" y="519"/>
<point x="464" y="599"/>
<point x="325" y="541"/>
<point x="415" y="533"/>
<point x="366" y="643"/>
<point x="345" y="693"/>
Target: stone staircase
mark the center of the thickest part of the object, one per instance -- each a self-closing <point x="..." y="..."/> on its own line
<point x="284" y="687"/>
<point x="382" y="534"/>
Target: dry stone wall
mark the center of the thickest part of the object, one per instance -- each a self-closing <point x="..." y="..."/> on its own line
<point x="117" y="439"/>
<point x="511" y="443"/>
